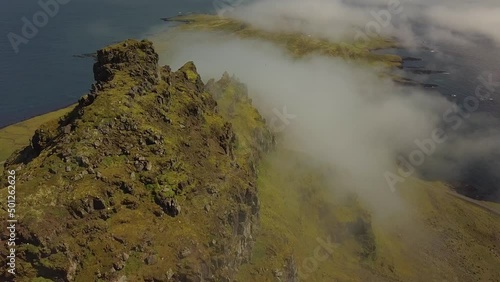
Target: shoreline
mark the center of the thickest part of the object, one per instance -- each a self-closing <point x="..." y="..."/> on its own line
<point x="38" y="116"/>
<point x="18" y="135"/>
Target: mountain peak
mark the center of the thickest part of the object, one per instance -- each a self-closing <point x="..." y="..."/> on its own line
<point x="132" y="54"/>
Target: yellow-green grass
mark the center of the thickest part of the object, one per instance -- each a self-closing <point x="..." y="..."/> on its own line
<point x="298" y="208"/>
<point x="450" y="238"/>
<point x="17" y="136"/>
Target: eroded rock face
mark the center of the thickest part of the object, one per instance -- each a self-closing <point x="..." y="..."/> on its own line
<point x="139" y="58"/>
<point x="132" y="169"/>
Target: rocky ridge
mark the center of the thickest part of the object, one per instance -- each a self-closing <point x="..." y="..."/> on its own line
<point x="145" y="180"/>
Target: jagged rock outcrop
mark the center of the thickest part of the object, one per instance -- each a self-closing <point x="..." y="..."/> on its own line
<point x="147" y="179"/>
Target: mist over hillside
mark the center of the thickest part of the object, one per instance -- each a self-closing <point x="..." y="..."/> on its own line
<point x="344" y="112"/>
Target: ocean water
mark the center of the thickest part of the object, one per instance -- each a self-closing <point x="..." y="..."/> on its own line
<point x="465" y="69"/>
<point x="44" y="75"/>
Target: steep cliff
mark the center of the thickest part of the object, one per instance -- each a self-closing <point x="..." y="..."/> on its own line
<point x="144" y="180"/>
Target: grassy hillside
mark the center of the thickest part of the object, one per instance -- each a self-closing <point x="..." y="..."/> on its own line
<point x="297" y="44"/>
<point x="453" y="240"/>
<point x="17" y="136"/>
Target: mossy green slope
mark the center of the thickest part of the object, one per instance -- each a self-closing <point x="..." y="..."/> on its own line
<point x="449" y="238"/>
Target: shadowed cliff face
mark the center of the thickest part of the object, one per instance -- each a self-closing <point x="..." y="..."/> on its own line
<point x="143" y="180"/>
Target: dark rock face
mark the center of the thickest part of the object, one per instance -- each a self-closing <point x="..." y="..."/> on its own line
<point x="291" y="271"/>
<point x="110" y="178"/>
<point x="169" y="205"/>
<point x="140" y="56"/>
<point x="40" y="140"/>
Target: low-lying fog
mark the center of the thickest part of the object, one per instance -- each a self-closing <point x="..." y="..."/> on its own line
<point x="343" y="113"/>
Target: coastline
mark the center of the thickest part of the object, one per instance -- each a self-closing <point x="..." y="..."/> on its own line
<point x="16" y="136"/>
<point x="70" y="106"/>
